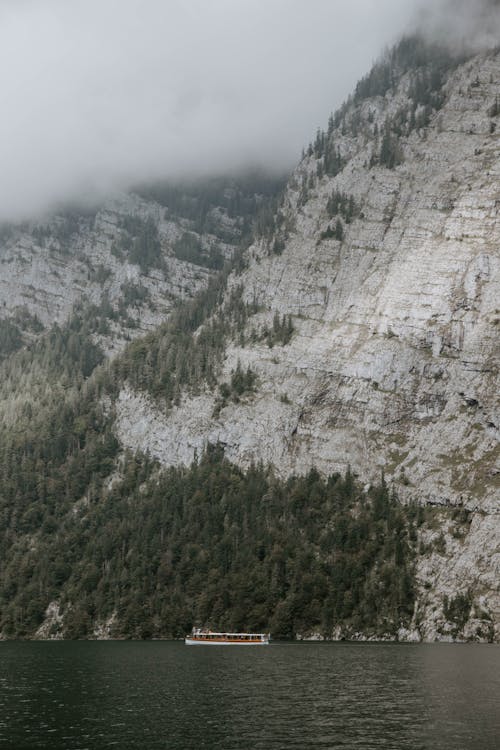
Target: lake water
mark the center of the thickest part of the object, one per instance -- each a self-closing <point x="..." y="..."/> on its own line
<point x="312" y="695"/>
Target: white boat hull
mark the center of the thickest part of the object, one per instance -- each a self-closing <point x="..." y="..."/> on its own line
<point x="199" y="642"/>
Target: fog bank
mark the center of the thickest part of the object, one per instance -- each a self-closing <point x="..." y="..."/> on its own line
<point x="100" y="94"/>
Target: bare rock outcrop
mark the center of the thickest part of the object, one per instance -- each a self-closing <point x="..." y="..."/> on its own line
<point x="394" y="360"/>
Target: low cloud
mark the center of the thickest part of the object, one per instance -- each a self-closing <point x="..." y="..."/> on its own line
<point x="471" y="24"/>
<point x="100" y="94"/>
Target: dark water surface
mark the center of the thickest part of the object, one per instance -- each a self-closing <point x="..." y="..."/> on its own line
<point x="167" y="695"/>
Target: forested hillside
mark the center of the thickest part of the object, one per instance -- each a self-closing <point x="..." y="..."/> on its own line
<point x="161" y="551"/>
<point x="261" y="408"/>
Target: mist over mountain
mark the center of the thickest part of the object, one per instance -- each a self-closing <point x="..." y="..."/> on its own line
<point x="461" y="23"/>
<point x="231" y="370"/>
<point x="98" y="96"/>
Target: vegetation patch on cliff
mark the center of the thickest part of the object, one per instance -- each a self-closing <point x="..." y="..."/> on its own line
<point x="209" y="544"/>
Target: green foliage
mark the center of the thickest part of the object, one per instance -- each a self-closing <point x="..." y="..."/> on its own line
<point x="10" y="337"/>
<point x="54" y="447"/>
<point x="339" y="231"/>
<point x="134" y="294"/>
<point x="46" y="375"/>
<point x="410" y="54"/>
<point x="55" y="444"/>
<point x="325" y="149"/>
<point x="26" y="321"/>
<point x="457" y="609"/>
<point x="281" y="331"/>
<point x="207" y="545"/>
<point x="328" y="233"/>
<point x="6" y="232"/>
<point x="100" y="274"/>
<point x="172" y="358"/>
<point x="69" y="349"/>
<point x="390" y="154"/>
<point x="189" y="248"/>
<point x="341" y="204"/>
<point x="494" y="110"/>
<point x="333" y="162"/>
<point x="278" y="246"/>
<point x="201" y="201"/>
<point x="336" y="232"/>
<point x="242" y="383"/>
<point x="65" y="229"/>
<point x="12" y="329"/>
<point x="426" y="88"/>
<point x="426" y="66"/>
<point x="139" y="243"/>
<point x="145" y="249"/>
<point x="265" y="220"/>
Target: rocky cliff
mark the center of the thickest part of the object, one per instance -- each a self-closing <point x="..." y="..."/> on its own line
<point x="393" y="364"/>
<point x="368" y="328"/>
<point x="129" y="261"/>
<point x="385" y="255"/>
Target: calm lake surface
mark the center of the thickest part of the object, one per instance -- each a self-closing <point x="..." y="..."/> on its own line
<point x="312" y="695"/>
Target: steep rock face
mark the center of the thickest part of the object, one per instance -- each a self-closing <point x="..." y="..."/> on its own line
<point x="77" y="259"/>
<point x="459" y="562"/>
<point x="394" y="361"/>
<point x="393" y="364"/>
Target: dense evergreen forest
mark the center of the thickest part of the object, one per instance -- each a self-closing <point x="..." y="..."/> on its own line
<point x="163" y="550"/>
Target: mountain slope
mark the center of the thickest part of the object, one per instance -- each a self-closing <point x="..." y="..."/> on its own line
<point x="393" y="363"/>
<point x="359" y="333"/>
<point x="128" y="262"/>
<point x="385" y="255"/>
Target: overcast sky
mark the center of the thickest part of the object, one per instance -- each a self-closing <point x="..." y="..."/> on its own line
<point x="99" y="94"/>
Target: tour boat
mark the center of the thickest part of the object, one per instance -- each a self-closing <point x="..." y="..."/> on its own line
<point x="209" y="638"/>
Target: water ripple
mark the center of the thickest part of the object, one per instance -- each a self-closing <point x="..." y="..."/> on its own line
<point x="286" y="696"/>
